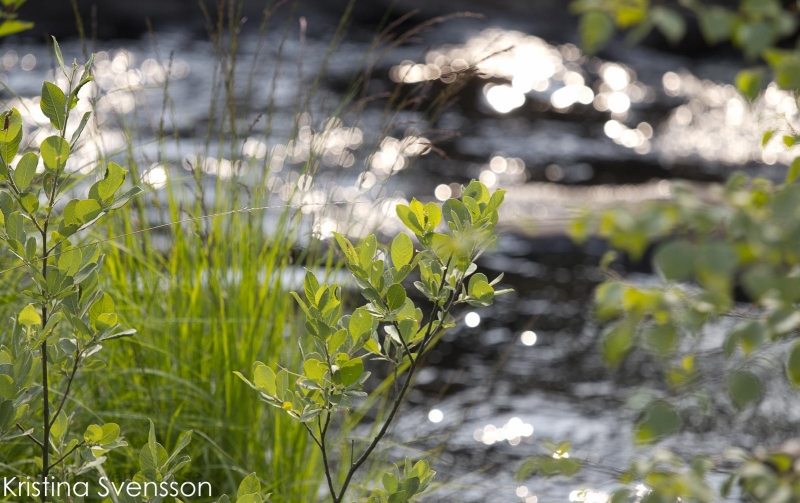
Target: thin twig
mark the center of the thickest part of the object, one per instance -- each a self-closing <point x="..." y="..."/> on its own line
<point x="62" y="458"/>
<point x="69" y="385"/>
<point x="29" y="435"/>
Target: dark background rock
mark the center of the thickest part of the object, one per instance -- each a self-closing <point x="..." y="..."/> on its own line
<point x="115" y="19"/>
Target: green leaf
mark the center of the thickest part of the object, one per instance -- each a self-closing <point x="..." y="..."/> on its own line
<point x="787" y="73"/>
<point x="105" y="189"/>
<point x="749" y="335"/>
<point x="12" y="26"/>
<point x="7" y="387"/>
<point x="69" y="260"/>
<point x="93" y="434"/>
<point x="59" y="56"/>
<point x="433" y="216"/>
<point x="29" y="316"/>
<point x="753" y="37"/>
<point x="456" y="214"/>
<point x="264" y="379"/>
<point x="59" y="427"/>
<point x="310" y="287"/>
<point x="783" y="319"/>
<point x="29" y="202"/>
<point x="744" y="388"/>
<point x="122" y="200"/>
<point x="716" y="24"/>
<point x="477" y="191"/>
<point x="315" y="369"/>
<point x="596" y="29"/>
<point x="7" y="413"/>
<point x="87" y="210"/>
<point x="675" y="260"/>
<point x="77" y="134"/>
<point x="10" y="135"/>
<point x="26" y="170"/>
<point x="767" y="136"/>
<point x="395" y="297"/>
<point x="337" y="340"/>
<point x="617" y="342"/>
<point x="366" y="252"/>
<point x="153" y="456"/>
<point x="347" y="247"/>
<point x="714" y="263"/>
<point x="749" y="82"/>
<point x="794" y="171"/>
<point x="659" y="419"/>
<point x="15" y="228"/>
<point x="55" y="152"/>
<point x="351" y="371"/>
<point x="360" y="323"/>
<point x="402" y="250"/>
<point x="480" y="290"/>
<point x="390" y="483"/>
<point x="53" y="104"/>
<point x="250" y="485"/>
<point x="103" y="305"/>
<point x="669" y="23"/>
<point x="793" y="365"/>
<point x="661" y="339"/>
<point x="409" y="219"/>
<point x="109" y="433"/>
<point x="73" y="96"/>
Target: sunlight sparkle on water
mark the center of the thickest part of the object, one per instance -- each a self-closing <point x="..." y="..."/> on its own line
<point x="718" y="124"/>
<point x="443" y="192"/>
<point x="590" y="496"/>
<point x="435" y="416"/>
<point x="528" y="338"/>
<point x="513" y="432"/>
<point x="505" y="98"/>
<point x="155" y="176"/>
<point x="472" y="319"/>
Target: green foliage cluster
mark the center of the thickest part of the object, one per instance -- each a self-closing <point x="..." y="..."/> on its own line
<point x="157" y="469"/>
<point x="249" y="491"/>
<point x="758" y="28"/>
<point x="744" y="233"/>
<point x="333" y="374"/>
<point x="68" y="318"/>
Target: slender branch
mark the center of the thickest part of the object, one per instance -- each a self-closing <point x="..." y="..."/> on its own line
<point x="69" y="385"/>
<point x="35" y="440"/>
<point x="62" y="458"/>
<point x="46" y="419"/>
<point x="322" y="433"/>
<point x="437" y="309"/>
<point x="313" y="437"/>
<point x="399" y="399"/>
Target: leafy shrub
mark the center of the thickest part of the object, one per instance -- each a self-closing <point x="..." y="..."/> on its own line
<point x="333" y="375"/>
<point x="68" y="318"/>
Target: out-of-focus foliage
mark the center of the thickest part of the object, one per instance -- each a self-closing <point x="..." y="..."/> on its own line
<point x="709" y="245"/>
<point x="756" y="27"/>
<point x="9" y="24"/>
<point x="64" y="317"/>
<point x="746" y="233"/>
